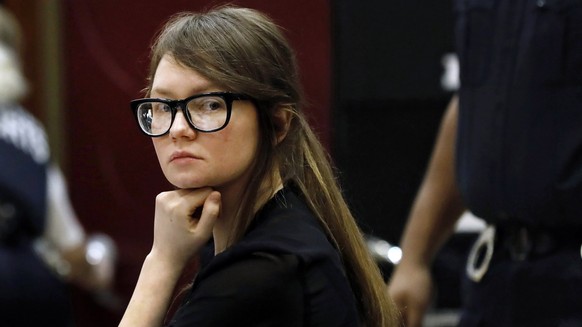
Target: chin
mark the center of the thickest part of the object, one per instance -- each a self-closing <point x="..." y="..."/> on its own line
<point x="185" y="183"/>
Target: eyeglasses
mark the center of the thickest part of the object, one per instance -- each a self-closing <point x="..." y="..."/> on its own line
<point x="206" y="112"/>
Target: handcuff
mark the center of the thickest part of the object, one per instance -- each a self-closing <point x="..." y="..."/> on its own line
<point x="478" y="262"/>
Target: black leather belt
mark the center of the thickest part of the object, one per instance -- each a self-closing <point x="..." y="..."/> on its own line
<point x="518" y="243"/>
<point x="521" y="242"/>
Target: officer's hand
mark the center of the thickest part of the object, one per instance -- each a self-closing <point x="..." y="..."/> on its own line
<point x="410" y="288"/>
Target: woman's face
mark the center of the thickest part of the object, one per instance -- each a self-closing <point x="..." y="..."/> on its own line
<point x="193" y="159"/>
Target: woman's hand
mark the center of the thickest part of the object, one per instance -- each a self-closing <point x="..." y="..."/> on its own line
<point x="184" y="220"/>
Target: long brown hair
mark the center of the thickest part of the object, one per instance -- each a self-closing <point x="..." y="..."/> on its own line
<point x="243" y="51"/>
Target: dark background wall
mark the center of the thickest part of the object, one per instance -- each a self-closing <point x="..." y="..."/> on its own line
<point x="388" y="101"/>
<point x="371" y="70"/>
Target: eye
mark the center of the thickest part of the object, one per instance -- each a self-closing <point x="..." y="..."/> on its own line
<point x="213" y="104"/>
<point x="160" y="107"/>
<point x="206" y="105"/>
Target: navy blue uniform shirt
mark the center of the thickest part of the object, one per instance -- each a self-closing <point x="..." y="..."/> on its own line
<point x="24" y="157"/>
<point x="519" y="141"/>
<point x="30" y="293"/>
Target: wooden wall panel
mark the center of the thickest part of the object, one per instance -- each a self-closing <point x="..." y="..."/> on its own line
<point x="28" y="16"/>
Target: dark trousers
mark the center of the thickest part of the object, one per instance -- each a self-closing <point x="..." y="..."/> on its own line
<point x="539" y="290"/>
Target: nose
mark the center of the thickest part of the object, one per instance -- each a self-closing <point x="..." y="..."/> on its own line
<point x="180" y="127"/>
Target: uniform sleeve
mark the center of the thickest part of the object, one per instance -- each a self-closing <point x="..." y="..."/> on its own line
<point x="63" y="230"/>
<point x="259" y="290"/>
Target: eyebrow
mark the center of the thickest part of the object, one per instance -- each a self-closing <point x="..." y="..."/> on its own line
<point x="166" y="93"/>
<point x="161" y="92"/>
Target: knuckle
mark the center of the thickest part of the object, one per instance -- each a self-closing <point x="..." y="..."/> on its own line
<point x="161" y="197"/>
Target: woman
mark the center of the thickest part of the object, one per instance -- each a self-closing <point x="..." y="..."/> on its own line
<point x="250" y="175"/>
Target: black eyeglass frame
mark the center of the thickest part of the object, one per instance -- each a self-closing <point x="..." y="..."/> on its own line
<point x="182" y="104"/>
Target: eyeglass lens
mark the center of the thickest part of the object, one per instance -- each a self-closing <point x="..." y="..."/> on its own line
<point x="206" y="113"/>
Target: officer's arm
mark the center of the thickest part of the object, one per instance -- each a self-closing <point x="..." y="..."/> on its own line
<point x="435" y="211"/>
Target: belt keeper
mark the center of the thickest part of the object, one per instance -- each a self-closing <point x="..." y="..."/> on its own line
<point x="521" y="245"/>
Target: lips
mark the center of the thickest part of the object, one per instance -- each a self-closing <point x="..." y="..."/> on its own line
<point x="182" y="155"/>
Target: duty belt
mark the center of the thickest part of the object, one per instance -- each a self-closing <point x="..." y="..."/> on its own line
<point x="518" y="243"/>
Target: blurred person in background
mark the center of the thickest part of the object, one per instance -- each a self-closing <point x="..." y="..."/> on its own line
<point x="43" y="247"/>
<point x="510" y="151"/>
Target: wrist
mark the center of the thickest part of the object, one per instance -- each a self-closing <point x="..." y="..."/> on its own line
<point x="153" y="291"/>
<point x="162" y="264"/>
<point x="414" y="261"/>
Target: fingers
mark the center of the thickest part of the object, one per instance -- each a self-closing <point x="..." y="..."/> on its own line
<point x="199" y="208"/>
<point x="191" y="200"/>
<point x="210" y="212"/>
<point x="412" y="315"/>
<point x="401" y="305"/>
<point x="413" y="319"/>
<point x="184" y="221"/>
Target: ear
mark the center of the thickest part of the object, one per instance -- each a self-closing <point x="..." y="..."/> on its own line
<point x="281" y="122"/>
